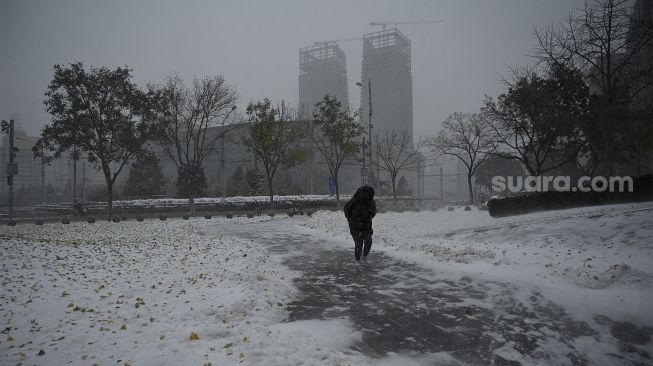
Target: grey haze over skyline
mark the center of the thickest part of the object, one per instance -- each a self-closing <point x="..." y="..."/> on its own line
<point x="254" y="45"/>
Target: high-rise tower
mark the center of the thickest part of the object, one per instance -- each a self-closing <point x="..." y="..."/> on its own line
<point x="386" y="63"/>
<point x="322" y="70"/>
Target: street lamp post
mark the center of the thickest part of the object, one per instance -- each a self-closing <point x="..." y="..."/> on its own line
<point x="12" y="168"/>
<point x="222" y="162"/>
<point x="364" y="172"/>
<point x="369" y="121"/>
<point x="75" y="176"/>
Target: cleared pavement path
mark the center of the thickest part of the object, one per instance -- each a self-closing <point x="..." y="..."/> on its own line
<point x="402" y="308"/>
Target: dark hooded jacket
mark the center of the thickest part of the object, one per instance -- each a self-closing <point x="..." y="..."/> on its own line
<point x="360" y="210"/>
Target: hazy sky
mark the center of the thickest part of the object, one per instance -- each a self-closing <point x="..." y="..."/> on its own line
<point x="254" y="45"/>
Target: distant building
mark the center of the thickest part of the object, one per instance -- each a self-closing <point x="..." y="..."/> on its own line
<point x="28" y="177"/>
<point x="322" y="70"/>
<point x="57" y="174"/>
<point x="387" y="64"/>
<point x="310" y="177"/>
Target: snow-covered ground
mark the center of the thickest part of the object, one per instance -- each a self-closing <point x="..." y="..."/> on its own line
<point x="152" y="293"/>
<point x="594" y="261"/>
<point x="191" y="293"/>
<point x="595" y="247"/>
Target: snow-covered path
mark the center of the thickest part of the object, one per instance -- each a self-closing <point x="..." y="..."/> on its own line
<point x="405" y="313"/>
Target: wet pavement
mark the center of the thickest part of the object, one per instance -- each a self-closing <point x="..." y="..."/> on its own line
<point x="402" y="308"/>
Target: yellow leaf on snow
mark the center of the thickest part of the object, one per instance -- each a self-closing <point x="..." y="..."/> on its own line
<point x="194" y="336"/>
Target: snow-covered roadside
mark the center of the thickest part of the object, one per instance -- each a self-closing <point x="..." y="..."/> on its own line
<point x="200" y="201"/>
<point x="152" y="293"/>
<point x="594" y="260"/>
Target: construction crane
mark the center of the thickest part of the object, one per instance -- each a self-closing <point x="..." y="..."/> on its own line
<point x="337" y="40"/>
<point x="385" y="24"/>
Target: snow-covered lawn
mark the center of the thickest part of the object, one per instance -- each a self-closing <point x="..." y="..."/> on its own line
<point x="593" y="261"/>
<point x="151" y="293"/>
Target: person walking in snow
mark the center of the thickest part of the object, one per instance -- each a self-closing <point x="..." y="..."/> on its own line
<point x="360" y="210"/>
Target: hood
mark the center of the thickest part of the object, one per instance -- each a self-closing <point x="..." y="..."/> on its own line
<point x="364" y="193"/>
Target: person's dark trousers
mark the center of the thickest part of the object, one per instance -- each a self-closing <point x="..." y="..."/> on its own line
<point x="362" y="244"/>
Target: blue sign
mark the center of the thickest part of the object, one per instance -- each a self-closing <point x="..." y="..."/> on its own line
<point x="332" y="185"/>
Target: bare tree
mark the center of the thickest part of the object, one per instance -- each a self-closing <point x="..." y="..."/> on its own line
<point x="467" y="137"/>
<point x="395" y="151"/>
<point x="535" y="121"/>
<point x="610" y="43"/>
<point x="274" y="138"/>
<point x="194" y="120"/>
<point x="335" y="135"/>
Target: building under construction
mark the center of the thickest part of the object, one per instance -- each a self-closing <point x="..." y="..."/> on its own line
<point x="322" y="70"/>
<point x="387" y="64"/>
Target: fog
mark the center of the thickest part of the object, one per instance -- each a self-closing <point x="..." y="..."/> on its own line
<point x="254" y="44"/>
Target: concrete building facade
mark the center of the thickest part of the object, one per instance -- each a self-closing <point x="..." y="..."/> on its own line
<point x="387" y="65"/>
<point x="322" y="70"/>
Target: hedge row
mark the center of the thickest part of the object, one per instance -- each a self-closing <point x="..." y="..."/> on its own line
<point x="542" y="201"/>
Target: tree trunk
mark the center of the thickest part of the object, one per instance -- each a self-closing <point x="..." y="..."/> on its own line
<point x="109" y="200"/>
<point x="335" y="179"/>
<point x="394" y="189"/>
<point x="271" y="193"/>
<point x="191" y="205"/>
<point x="471" y="191"/>
<point x="190" y="179"/>
<point x="74" y="180"/>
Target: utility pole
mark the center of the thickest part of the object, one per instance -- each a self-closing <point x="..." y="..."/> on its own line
<point x="74" y="175"/>
<point x="364" y="173"/>
<point x="12" y="168"/>
<point x="419" y="178"/>
<point x="43" y="175"/>
<point x="369" y="125"/>
<point x="369" y="120"/>
<point x="441" y="186"/>
<point x="223" y="172"/>
<point x="83" y="180"/>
